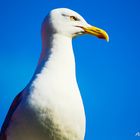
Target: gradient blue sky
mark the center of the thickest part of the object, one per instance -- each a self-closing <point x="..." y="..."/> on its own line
<point x="108" y="73"/>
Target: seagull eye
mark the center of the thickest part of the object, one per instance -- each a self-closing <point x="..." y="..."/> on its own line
<point x="73" y="18"/>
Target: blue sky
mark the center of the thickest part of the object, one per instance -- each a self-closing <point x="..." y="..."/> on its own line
<point x="108" y="73"/>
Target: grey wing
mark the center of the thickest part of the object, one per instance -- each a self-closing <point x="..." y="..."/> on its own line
<point x="7" y="120"/>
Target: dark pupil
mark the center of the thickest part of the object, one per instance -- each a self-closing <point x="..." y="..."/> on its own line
<point x="74" y="18"/>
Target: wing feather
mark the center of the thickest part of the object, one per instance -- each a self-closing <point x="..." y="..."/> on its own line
<point x="7" y="120"/>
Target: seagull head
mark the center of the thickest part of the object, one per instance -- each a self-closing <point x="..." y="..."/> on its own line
<point x="69" y="23"/>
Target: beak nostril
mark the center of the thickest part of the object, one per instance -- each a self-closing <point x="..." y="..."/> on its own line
<point x="97" y="30"/>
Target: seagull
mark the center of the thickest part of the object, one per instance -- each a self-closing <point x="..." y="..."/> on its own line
<point x="50" y="107"/>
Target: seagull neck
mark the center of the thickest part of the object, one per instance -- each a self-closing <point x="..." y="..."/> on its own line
<point x="55" y="44"/>
<point x="57" y="56"/>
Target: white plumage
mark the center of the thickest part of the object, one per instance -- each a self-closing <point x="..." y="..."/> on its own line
<point x="50" y="107"/>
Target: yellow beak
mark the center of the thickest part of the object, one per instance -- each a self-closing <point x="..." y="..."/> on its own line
<point x="96" y="32"/>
